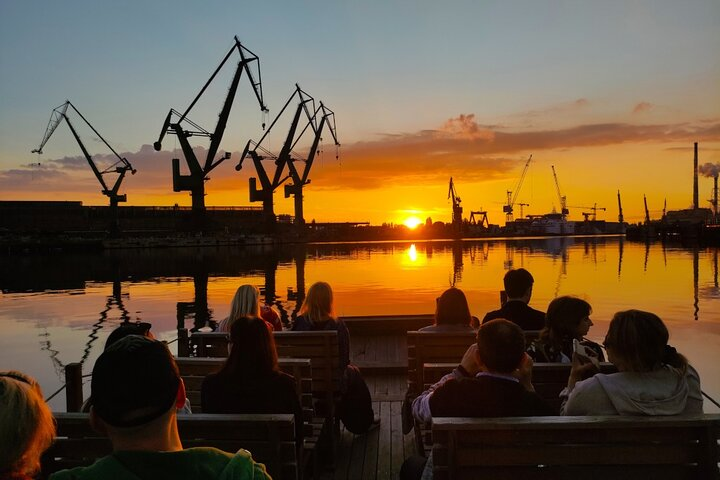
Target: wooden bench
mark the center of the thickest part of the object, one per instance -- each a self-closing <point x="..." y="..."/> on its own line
<point x="439" y="347"/>
<point x="270" y="439"/>
<point x="548" y="378"/>
<point x="577" y="448"/>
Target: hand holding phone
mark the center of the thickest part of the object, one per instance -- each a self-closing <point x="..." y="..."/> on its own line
<point x="585" y="353"/>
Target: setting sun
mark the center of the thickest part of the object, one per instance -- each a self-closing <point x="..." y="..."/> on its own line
<point x="412" y="222"/>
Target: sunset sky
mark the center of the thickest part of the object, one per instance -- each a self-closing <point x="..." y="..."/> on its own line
<point x="613" y="94"/>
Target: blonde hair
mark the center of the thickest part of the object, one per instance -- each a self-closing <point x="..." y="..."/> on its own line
<point x="245" y="303"/>
<point x="27" y="427"/>
<point x="318" y="304"/>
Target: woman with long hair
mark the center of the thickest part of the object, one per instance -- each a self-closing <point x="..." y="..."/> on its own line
<point x="652" y="378"/>
<point x="246" y="303"/>
<point x="318" y="313"/>
<point x="567" y="319"/>
<point x="452" y="313"/>
<point x="250" y="380"/>
<point x="27" y="427"/>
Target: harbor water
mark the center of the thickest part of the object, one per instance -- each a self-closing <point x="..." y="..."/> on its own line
<point x="58" y="308"/>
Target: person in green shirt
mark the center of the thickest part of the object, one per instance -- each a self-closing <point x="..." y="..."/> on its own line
<point x="136" y="390"/>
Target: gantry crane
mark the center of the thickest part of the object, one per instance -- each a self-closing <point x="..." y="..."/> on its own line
<point x="327" y="117"/>
<point x="254" y="150"/>
<point x="120" y="167"/>
<point x="195" y="181"/>
<point x="456" y="208"/>
<point x="563" y="199"/>
<point x="482" y="218"/>
<point x="512" y="197"/>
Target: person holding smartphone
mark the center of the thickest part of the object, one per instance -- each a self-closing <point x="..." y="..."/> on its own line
<point x="567" y="321"/>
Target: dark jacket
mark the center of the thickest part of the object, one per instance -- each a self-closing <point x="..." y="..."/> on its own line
<point x="304" y="324"/>
<point x="519" y="313"/>
<point x="486" y="397"/>
<point x="274" y="394"/>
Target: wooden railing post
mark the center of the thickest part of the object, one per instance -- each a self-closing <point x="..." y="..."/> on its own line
<point x="73" y="387"/>
<point x="183" y="343"/>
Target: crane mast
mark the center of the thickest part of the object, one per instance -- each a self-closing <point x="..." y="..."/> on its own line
<point x="563" y="200"/>
<point x="175" y="121"/>
<point x="119" y="167"/>
<point x="456" y="208"/>
<point x="254" y="150"/>
<point x="512" y="197"/>
<point x="621" y="219"/>
<point x="327" y="118"/>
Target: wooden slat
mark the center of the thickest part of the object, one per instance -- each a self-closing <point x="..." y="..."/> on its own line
<point x="583" y="447"/>
<point x="270" y="438"/>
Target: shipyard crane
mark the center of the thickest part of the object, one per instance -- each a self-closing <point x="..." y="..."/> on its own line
<point x="512" y="197"/>
<point x="593" y="211"/>
<point x="327" y="117"/>
<point x="175" y="121"/>
<point x="481" y="219"/>
<point x="456" y="208"/>
<point x="563" y="199"/>
<point x="255" y="150"/>
<point x="621" y="219"/>
<point x="120" y="167"/>
<point x="647" y="212"/>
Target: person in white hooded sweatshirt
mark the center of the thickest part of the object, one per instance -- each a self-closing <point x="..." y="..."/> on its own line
<point x="652" y="378"/>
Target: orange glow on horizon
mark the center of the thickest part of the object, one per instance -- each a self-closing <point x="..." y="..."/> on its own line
<point x="412" y="222"/>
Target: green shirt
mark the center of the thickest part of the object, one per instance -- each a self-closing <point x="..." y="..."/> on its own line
<point x="200" y="463"/>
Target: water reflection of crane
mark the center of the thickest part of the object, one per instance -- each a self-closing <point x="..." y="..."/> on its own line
<point x="115" y="300"/>
<point x="457" y="254"/>
<point x="197" y="310"/>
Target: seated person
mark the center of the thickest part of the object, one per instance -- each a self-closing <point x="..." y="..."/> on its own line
<point x="494" y="379"/>
<point x="27" y="427"/>
<point x="518" y="287"/>
<point x="452" y="313"/>
<point x="652" y="378"/>
<point x="318" y="313"/>
<point x="136" y="390"/>
<point x="567" y="319"/>
<point x="246" y="303"/>
<point x="123" y="330"/>
<point x="250" y="380"/>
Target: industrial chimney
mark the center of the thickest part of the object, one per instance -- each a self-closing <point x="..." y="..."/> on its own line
<point x="695" y="180"/>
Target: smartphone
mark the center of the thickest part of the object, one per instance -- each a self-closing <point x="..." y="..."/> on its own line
<point x="585" y="352"/>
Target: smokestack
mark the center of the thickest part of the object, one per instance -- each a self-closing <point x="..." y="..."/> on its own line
<point x="695" y="179"/>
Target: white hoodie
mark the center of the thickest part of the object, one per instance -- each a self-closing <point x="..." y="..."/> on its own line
<point x="660" y="392"/>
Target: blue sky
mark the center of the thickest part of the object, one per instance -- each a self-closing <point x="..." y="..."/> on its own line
<point x="390" y="70"/>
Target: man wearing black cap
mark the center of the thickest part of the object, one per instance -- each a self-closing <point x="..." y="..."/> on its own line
<point x="136" y="391"/>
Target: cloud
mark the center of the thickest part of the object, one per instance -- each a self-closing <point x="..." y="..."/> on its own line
<point x="459" y="146"/>
<point x="643" y="107"/>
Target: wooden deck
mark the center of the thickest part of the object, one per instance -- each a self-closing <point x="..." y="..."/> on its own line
<point x="379" y="453"/>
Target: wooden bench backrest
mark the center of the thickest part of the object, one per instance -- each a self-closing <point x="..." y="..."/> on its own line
<point x="430" y="347"/>
<point x="439" y="347"/>
<point x="193" y="371"/>
<point x="577" y="448"/>
<point x="270" y="439"/>
<point x="321" y="347"/>
<point x="548" y="378"/>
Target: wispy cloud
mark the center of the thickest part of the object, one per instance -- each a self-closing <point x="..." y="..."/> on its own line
<point x="459" y="146"/>
<point x="643" y="107"/>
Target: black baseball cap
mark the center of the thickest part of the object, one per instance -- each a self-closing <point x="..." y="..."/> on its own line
<point x="134" y="381"/>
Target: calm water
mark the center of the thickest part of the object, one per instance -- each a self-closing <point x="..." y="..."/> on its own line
<point x="57" y="309"/>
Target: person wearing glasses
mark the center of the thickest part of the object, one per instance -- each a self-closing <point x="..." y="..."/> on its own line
<point x="652" y="378"/>
<point x="27" y="427"/>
